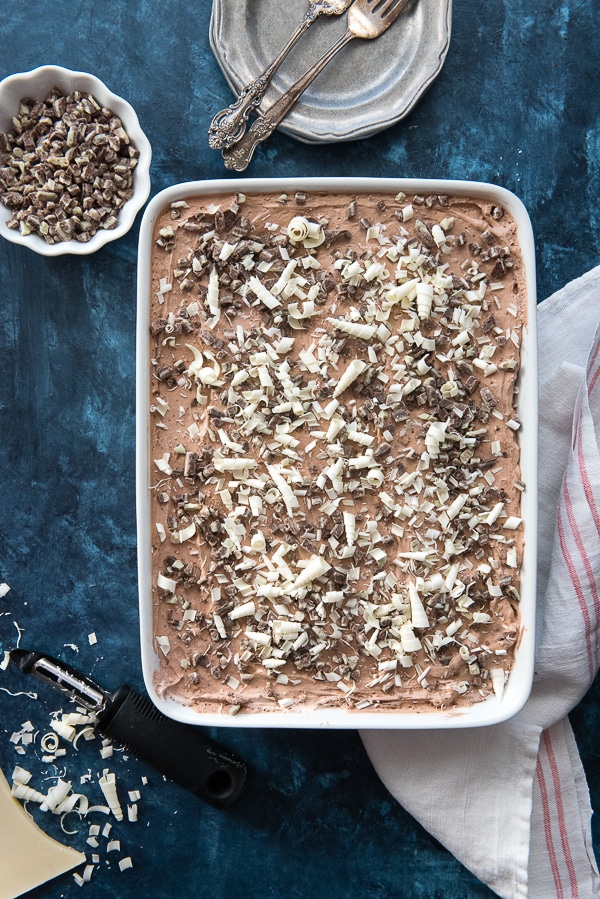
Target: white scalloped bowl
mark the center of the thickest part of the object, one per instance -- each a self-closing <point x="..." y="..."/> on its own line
<point x="37" y="85"/>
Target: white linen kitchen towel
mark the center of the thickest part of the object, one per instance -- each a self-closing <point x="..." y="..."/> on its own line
<point x="511" y="801"/>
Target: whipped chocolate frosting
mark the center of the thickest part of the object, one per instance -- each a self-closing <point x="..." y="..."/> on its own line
<point x="335" y="455"/>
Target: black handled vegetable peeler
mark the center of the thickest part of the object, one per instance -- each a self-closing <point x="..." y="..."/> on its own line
<point x="179" y="751"/>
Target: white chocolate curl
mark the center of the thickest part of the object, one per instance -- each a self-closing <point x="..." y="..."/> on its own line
<point x="246" y="610"/>
<point x="258" y="543"/>
<point x="263" y="294"/>
<point x="424" y="299"/>
<point x="109" y="788"/>
<point x="403" y="292"/>
<point x="436" y="435"/>
<point x="27" y="794"/>
<point x="410" y="642"/>
<point x="350" y="527"/>
<point x="418" y="614"/>
<point x="201" y="373"/>
<point x="212" y="297"/>
<point x="309" y="234"/>
<point x="315" y="568"/>
<point x="354" y="329"/>
<point x="355" y="368"/>
<point x="287" y="495"/>
<point x="55" y="795"/>
<point x="497" y="678"/>
<point x="375" y="477"/>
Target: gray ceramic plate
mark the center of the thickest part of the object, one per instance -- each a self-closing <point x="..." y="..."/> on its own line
<point x="369" y="86"/>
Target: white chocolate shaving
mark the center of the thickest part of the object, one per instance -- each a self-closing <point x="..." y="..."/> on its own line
<point x="352" y="372"/>
<point x="309" y="234"/>
<point x="108" y="786"/>
<point x="354" y="329"/>
<point x="264" y="295"/>
<point x="315" y="568"/>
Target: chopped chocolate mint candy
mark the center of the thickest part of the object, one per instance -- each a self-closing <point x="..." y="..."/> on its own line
<point x="471" y="384"/>
<point x="488" y="397"/>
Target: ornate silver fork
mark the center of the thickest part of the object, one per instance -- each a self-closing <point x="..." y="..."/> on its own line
<point x="229" y="125"/>
<point x="367" y="19"/>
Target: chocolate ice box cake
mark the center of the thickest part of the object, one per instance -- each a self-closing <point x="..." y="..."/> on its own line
<point x="337" y="452"/>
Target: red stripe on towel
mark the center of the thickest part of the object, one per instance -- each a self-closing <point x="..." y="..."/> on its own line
<point x="585" y="480"/>
<point x="590" y="628"/>
<point x="593" y="381"/>
<point x="548" y="830"/>
<point x="591" y="362"/>
<point x="578" y="590"/>
<point x="560" y="810"/>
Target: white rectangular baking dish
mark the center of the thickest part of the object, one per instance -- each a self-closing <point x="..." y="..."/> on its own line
<point x="518" y="688"/>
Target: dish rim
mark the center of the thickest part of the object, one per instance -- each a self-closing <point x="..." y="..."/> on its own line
<point x="41" y="80"/>
<point x="520" y="681"/>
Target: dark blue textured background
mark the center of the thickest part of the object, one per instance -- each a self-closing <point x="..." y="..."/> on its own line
<point x="518" y="104"/>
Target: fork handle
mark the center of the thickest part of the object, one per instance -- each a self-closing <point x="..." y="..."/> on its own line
<point x="229" y="125"/>
<point x="239" y="155"/>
